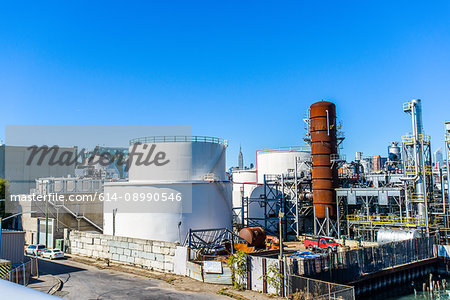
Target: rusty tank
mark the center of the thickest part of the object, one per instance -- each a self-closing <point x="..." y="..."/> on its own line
<point x="323" y="145"/>
<point x="254" y="236"/>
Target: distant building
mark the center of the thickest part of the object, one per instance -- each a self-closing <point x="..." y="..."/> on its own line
<point x="348" y="170"/>
<point x="240" y="159"/>
<point x="376" y="163"/>
<point x="91" y="167"/>
<point x="20" y="167"/>
<point x="366" y="164"/>
<point x="438" y="158"/>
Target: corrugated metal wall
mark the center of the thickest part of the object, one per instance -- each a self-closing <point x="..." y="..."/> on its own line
<point x="13" y="243"/>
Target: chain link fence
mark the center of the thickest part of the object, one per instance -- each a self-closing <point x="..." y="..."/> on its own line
<point x="21" y="274"/>
<point x="303" y="288"/>
<point x="348" y="265"/>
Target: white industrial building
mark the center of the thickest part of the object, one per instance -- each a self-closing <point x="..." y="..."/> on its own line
<point x="21" y="175"/>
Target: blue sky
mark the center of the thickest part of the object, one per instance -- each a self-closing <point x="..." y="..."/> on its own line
<point x="243" y="70"/>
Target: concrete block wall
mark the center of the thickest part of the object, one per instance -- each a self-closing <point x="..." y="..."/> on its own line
<point x="154" y="255"/>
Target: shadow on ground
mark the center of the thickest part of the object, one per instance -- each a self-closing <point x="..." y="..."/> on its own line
<point x="53" y="267"/>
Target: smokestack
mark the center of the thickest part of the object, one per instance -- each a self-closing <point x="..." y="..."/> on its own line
<point x="323" y="145"/>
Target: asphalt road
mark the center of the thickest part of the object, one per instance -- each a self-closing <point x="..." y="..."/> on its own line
<point x="87" y="282"/>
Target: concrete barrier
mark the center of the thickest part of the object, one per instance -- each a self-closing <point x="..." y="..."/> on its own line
<point x="154" y="255"/>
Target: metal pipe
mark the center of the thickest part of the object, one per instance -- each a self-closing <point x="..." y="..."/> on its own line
<point x="315" y="220"/>
<point x="425" y="196"/>
<point x="46" y="218"/>
<point x="265" y="206"/>
<point x="328" y="123"/>
<point x="443" y="199"/>
<point x="296" y="198"/>
<point x="442" y="189"/>
<point x="243" y="210"/>
<point x="447" y="145"/>
<point x="281" y="216"/>
<point x="418" y="154"/>
<point x="283" y="201"/>
<point x="328" y="221"/>
<point x="338" y="218"/>
<point x="406" y="200"/>
<point x="407" y="204"/>
<point x="415" y="178"/>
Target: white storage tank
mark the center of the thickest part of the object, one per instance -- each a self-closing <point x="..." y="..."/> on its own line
<point x="186" y="189"/>
<point x="244" y="182"/>
<point x="388" y="235"/>
<point x="281" y="161"/>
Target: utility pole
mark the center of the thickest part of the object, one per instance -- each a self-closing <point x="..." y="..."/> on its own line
<point x="114" y="221"/>
<point x="46" y="216"/>
<point x="281" y="216"/>
<point x="281" y="266"/>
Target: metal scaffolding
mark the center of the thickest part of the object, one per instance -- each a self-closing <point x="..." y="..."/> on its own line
<point x="288" y="193"/>
<point x="395" y="200"/>
<point x="362" y="211"/>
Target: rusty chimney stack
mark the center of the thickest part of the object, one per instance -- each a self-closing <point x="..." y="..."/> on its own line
<point x="323" y="145"/>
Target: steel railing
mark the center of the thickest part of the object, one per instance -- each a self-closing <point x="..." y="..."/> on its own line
<point x="338" y="157"/>
<point x="409" y="138"/>
<point x="411" y="170"/>
<point x="386" y="220"/>
<point x="283" y="149"/>
<point x="178" y="139"/>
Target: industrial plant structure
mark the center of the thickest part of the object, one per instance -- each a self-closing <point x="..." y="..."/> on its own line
<point x="179" y="194"/>
<point x="317" y="192"/>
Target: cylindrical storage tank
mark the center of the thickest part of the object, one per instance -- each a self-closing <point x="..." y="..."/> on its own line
<point x="388" y="235"/>
<point x="244" y="182"/>
<point x="394" y="152"/>
<point x="254" y="236"/>
<point x="323" y="145"/>
<point x="191" y="158"/>
<point x="281" y="161"/>
<point x="162" y="202"/>
<point x="244" y="176"/>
